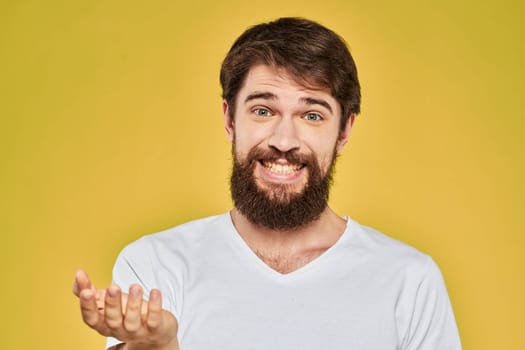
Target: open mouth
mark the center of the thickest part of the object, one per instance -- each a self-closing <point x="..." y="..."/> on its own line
<point x="281" y="169"/>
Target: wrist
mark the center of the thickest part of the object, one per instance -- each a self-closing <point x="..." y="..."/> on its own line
<point x="173" y="345"/>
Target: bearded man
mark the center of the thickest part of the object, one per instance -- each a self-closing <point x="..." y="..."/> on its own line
<point x="281" y="270"/>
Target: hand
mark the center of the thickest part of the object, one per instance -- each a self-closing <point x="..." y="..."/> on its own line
<point x="140" y="324"/>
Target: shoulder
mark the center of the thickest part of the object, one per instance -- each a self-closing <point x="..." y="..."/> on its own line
<point x="386" y="252"/>
<point x="423" y="312"/>
<point x="182" y="238"/>
<point x="405" y="269"/>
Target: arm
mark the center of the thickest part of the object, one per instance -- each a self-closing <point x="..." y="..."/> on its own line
<point x="432" y="325"/>
<point x="139" y="324"/>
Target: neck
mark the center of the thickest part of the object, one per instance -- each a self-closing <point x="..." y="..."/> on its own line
<point x="318" y="235"/>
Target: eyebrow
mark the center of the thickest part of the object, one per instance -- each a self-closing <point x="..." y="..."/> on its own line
<point x="317" y="101"/>
<point x="260" y="95"/>
<point x="270" y="96"/>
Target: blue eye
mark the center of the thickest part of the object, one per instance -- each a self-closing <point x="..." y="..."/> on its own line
<point x="312" y="117"/>
<point x="262" y="112"/>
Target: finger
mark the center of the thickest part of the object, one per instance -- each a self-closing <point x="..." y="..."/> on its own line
<point x="88" y="308"/>
<point x="133" y="318"/>
<point x="154" y="315"/>
<point x="100" y="295"/>
<point x="124" y="302"/>
<point x="75" y="289"/>
<point x="81" y="282"/>
<point x="113" y="308"/>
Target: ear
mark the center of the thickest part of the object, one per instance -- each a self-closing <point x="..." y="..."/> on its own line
<point x="344" y="135"/>
<point x="229" y="124"/>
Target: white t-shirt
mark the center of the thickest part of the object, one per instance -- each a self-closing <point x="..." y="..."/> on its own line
<point x="367" y="292"/>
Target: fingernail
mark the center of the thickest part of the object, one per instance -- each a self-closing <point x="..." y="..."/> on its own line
<point x="154" y="295"/>
<point x="112" y="292"/>
<point x="134" y="291"/>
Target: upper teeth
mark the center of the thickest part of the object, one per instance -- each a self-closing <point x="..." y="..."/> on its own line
<point x="281" y="168"/>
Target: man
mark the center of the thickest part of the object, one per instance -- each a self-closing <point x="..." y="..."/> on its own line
<point x="281" y="270"/>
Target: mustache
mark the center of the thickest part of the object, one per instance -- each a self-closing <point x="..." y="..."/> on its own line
<point x="272" y="154"/>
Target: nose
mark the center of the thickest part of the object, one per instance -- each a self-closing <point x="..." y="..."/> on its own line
<point x="284" y="135"/>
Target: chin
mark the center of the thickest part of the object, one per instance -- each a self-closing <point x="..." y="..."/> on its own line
<point x="281" y="193"/>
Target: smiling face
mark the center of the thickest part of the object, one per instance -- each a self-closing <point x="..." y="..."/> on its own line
<point x="285" y="139"/>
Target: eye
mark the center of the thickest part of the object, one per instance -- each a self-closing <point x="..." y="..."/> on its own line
<point x="262" y="112"/>
<point x="314" y="117"/>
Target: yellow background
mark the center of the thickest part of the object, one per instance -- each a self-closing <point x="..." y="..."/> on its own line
<point x="111" y="128"/>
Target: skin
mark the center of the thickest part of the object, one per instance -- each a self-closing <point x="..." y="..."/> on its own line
<point x="139" y="323"/>
<point x="272" y="111"/>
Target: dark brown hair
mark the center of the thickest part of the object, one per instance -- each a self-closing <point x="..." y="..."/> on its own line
<point x="314" y="55"/>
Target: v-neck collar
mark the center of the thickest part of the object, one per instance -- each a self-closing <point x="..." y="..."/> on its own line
<point x="250" y="255"/>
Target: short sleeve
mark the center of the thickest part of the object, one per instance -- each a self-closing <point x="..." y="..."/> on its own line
<point x="138" y="263"/>
<point x="432" y="324"/>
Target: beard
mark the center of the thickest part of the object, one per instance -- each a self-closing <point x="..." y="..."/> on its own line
<point x="280" y="206"/>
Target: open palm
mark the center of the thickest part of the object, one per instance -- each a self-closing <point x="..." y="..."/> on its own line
<point x="140" y="324"/>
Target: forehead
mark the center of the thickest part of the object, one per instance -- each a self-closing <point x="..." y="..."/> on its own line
<point x="280" y="82"/>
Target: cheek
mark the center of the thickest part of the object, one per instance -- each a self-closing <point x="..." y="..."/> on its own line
<point x="243" y="144"/>
<point x="248" y="137"/>
<point x="325" y="152"/>
<point x="326" y="161"/>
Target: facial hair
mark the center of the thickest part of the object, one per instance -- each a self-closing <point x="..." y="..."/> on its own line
<point x="279" y="206"/>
